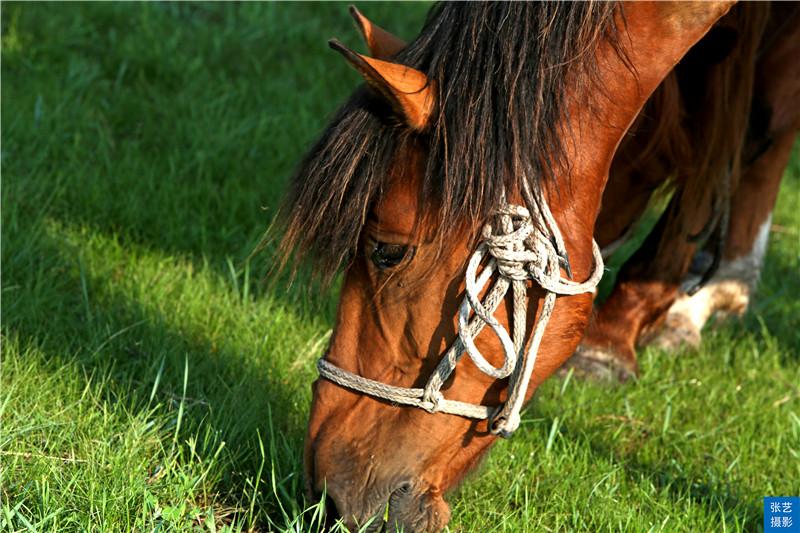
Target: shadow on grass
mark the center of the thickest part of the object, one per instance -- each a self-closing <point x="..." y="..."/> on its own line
<point x="235" y="394"/>
<point x="183" y="144"/>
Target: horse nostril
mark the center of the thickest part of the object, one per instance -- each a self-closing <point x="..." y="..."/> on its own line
<point x="402" y="492"/>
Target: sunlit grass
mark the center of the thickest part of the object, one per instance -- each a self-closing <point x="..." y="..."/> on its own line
<point x="149" y="381"/>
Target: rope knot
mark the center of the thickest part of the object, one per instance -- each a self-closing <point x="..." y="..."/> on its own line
<point x="431" y="402"/>
<point x="508" y="240"/>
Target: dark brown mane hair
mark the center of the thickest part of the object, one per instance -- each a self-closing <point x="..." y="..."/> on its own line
<point x="500" y="72"/>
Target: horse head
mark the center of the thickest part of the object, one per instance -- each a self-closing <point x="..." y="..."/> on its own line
<point x="473" y="158"/>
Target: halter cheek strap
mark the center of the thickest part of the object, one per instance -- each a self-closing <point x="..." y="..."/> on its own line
<point x="518" y="251"/>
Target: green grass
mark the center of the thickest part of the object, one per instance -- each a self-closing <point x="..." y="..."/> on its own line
<point x="149" y="382"/>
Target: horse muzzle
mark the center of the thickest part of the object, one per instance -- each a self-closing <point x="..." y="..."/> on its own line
<point x="409" y="507"/>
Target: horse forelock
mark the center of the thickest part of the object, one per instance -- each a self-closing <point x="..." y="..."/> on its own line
<point x="500" y="76"/>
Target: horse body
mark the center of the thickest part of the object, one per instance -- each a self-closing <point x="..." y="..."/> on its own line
<point x="408" y="240"/>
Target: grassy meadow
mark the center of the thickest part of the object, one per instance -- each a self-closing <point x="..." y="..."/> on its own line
<point x="151" y="382"/>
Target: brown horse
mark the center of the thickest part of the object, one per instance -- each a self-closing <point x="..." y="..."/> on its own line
<point x="496" y="115"/>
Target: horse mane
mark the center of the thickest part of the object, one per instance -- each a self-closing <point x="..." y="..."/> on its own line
<point x="500" y="72"/>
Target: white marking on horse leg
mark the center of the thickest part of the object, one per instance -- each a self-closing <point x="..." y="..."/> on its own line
<point x="727" y="293"/>
<point x="748" y="267"/>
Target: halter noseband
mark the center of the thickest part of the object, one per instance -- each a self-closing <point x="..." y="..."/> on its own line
<point x="519" y="251"/>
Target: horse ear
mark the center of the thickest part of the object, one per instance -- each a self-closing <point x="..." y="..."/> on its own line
<point x="380" y="42"/>
<point x="407" y="90"/>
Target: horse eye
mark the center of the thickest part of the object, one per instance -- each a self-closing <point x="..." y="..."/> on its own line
<point x="386" y="255"/>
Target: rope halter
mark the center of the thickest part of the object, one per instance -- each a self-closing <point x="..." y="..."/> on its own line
<point x="518" y="251"/>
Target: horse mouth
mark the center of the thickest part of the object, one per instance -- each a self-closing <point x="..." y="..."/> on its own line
<point x="404" y="509"/>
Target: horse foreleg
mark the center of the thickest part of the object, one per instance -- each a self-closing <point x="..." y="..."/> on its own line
<point x="730" y="290"/>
